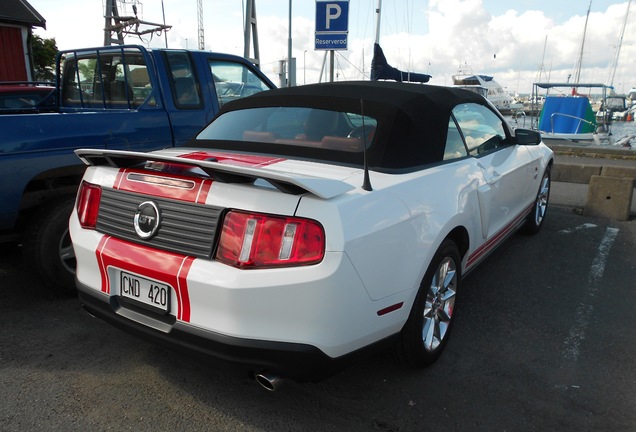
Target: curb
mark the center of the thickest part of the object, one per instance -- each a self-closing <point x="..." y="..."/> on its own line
<point x="601" y="152"/>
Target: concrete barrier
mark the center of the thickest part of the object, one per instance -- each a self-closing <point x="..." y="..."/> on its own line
<point x="574" y="173"/>
<point x="618" y="171"/>
<point x="609" y="197"/>
<point x="609" y="172"/>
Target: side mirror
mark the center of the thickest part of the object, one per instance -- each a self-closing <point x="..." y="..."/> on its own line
<point x="527" y="137"/>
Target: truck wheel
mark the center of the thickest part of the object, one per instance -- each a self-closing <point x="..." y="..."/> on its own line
<point x="47" y="247"/>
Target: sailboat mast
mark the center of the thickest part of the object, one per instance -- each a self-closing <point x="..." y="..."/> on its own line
<point x="377" y="21"/>
<point x="618" y="48"/>
<point x="542" y="65"/>
<point x="579" y="63"/>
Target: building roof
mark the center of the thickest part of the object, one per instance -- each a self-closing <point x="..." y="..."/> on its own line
<point x="20" y="12"/>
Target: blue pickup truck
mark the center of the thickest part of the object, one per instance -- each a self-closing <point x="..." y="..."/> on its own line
<point x="120" y="97"/>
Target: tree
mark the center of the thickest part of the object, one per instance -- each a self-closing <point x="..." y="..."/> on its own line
<point x="44" y="52"/>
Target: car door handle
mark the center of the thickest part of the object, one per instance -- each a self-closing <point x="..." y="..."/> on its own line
<point x="494" y="178"/>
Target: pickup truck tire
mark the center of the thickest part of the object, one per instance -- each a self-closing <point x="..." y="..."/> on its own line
<point x="47" y="247"/>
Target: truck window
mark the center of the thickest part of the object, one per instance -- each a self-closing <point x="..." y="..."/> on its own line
<point x="186" y="93"/>
<point x="99" y="79"/>
<point x="234" y="81"/>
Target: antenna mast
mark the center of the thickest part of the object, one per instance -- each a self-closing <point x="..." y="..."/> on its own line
<point x="200" y="27"/>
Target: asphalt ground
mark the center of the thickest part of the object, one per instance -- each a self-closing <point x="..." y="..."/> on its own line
<point x="545" y="340"/>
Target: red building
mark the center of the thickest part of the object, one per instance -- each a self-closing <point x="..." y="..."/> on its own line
<point x="17" y="19"/>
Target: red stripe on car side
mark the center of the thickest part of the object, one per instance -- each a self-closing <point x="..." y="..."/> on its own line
<point x="492" y="242"/>
<point x="166" y="267"/>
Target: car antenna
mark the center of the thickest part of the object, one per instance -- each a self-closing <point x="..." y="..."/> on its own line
<point x="366" y="183"/>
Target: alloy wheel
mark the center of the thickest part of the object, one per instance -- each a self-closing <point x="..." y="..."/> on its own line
<point x="440" y="302"/>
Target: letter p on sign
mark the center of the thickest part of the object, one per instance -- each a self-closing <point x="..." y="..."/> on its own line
<point x="332" y="16"/>
<point x="333" y="12"/>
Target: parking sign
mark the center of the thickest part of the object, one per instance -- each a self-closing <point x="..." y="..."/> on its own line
<point x="332" y="24"/>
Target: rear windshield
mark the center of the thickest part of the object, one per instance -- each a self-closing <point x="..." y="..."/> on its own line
<point x="294" y="126"/>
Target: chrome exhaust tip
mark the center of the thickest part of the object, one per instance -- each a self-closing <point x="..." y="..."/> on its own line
<point x="269" y="381"/>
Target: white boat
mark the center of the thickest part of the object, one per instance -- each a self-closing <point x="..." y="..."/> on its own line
<point x="486" y="86"/>
<point x="631" y="101"/>
<point x="615" y="109"/>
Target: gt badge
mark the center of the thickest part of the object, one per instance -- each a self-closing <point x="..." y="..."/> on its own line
<point x="146" y="221"/>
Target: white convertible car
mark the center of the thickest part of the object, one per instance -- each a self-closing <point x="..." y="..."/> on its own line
<point x="305" y="226"/>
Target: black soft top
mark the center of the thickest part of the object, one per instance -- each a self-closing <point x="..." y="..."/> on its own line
<point x="412" y="119"/>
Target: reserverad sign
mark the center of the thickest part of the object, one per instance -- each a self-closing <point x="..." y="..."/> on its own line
<point x="332" y="25"/>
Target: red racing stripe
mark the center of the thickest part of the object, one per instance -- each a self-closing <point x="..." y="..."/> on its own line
<point x="100" y="262"/>
<point x="235" y="159"/>
<point x="182" y="187"/>
<point x="169" y="268"/>
<point x="192" y="189"/>
<point x="495" y="240"/>
<point x="166" y="267"/>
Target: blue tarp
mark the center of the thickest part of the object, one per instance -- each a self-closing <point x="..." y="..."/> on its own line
<point x="565" y="109"/>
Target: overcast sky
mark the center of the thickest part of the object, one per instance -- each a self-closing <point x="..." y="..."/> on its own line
<point x="495" y="37"/>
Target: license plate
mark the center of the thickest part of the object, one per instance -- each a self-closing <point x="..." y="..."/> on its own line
<point x="149" y="293"/>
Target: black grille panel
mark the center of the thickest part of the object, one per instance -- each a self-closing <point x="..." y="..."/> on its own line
<point x="185" y="228"/>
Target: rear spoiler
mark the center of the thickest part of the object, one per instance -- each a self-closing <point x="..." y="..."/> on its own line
<point x="290" y="183"/>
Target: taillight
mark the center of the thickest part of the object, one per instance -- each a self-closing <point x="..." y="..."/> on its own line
<point x="254" y="240"/>
<point x="88" y="200"/>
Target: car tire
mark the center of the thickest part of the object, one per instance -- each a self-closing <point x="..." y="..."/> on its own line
<point x="535" y="219"/>
<point x="428" y="327"/>
<point x="47" y="247"/>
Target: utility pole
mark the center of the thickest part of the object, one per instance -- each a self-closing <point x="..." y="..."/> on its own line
<point x="111" y="24"/>
<point x="122" y="25"/>
<point x="250" y="31"/>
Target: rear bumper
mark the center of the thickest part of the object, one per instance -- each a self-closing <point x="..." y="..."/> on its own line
<point x="299" y="362"/>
